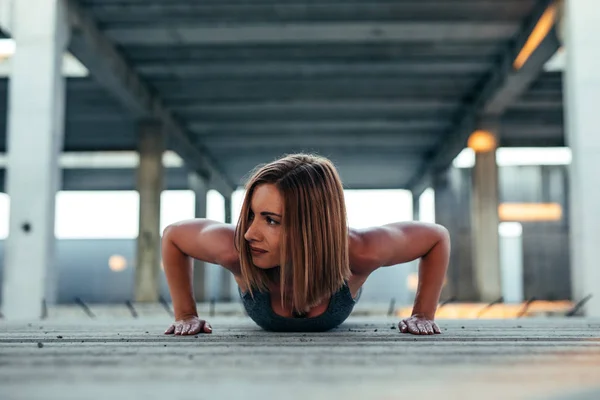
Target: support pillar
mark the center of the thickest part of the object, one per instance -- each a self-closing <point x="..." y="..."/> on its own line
<point x="416" y="209"/>
<point x="36" y="108"/>
<point x="582" y="95"/>
<point x="200" y="187"/>
<point x="226" y="276"/>
<point x="485" y="237"/>
<point x="151" y="146"/>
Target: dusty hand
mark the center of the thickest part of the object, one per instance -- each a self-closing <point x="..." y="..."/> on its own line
<point x="418" y="325"/>
<point x="189" y="326"/>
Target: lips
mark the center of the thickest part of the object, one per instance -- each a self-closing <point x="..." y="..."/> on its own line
<point x="257" y="250"/>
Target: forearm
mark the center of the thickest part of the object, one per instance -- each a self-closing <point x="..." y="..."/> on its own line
<point x="179" y="272"/>
<point x="432" y="272"/>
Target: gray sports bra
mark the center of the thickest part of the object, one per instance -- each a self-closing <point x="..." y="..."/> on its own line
<point x="260" y="311"/>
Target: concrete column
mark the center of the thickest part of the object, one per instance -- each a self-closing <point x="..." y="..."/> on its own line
<point x="452" y="193"/>
<point x="226" y="276"/>
<point x="582" y="121"/>
<point x="485" y="238"/>
<point x="36" y="107"/>
<point x="415" y="201"/>
<point x="200" y="187"/>
<point x="151" y="146"/>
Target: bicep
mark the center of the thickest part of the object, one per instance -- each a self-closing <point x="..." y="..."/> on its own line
<point x="399" y="243"/>
<point x="205" y="240"/>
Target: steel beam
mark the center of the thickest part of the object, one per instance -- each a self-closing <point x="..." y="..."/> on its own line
<point x="322" y="127"/>
<point x="109" y="67"/>
<point x="341" y="139"/>
<point x="216" y="70"/>
<point x="399" y="31"/>
<point x="501" y="88"/>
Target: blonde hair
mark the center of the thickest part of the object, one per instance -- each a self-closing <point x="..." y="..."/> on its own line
<point x="314" y="245"/>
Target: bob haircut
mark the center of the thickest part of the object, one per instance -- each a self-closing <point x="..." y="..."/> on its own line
<point x="314" y="259"/>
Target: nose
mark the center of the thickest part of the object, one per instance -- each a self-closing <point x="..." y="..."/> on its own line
<point x="252" y="233"/>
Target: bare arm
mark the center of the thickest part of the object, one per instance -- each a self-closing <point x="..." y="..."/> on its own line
<point x="404" y="242"/>
<point x="201" y="239"/>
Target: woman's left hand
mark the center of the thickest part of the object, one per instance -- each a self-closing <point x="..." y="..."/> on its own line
<point x="418" y="325"/>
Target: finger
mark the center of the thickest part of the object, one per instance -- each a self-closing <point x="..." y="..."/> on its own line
<point x="207" y="328"/>
<point x="429" y="328"/>
<point x="185" y="329"/>
<point x="195" y="328"/>
<point x="422" y="329"/>
<point x="403" y="327"/>
<point x="436" y="329"/>
<point x="178" y="329"/>
<point x="170" y="330"/>
<point x="412" y="328"/>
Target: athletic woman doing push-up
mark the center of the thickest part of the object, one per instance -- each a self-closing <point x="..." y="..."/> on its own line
<point x="299" y="267"/>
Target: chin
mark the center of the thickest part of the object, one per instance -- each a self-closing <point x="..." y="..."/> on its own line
<point x="263" y="264"/>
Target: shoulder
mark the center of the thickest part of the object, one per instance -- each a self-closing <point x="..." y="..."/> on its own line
<point x="363" y="260"/>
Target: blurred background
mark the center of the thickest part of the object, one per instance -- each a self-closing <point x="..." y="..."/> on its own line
<point x="119" y="117"/>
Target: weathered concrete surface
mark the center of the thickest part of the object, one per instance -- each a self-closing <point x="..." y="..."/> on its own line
<point x="126" y="358"/>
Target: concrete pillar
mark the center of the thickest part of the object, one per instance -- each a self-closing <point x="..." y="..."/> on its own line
<point x="485" y="238"/>
<point x="36" y="107"/>
<point x="415" y="201"/>
<point x="452" y="194"/>
<point x="151" y="146"/>
<point x="582" y="121"/>
<point x="200" y="187"/>
<point x="226" y="277"/>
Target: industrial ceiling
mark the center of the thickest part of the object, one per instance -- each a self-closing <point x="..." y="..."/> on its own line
<point x="389" y="90"/>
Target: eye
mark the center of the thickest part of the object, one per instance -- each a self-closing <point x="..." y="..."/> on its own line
<point x="250" y="216"/>
<point x="271" y="221"/>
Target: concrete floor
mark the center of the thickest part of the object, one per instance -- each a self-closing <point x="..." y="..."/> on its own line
<point x="366" y="358"/>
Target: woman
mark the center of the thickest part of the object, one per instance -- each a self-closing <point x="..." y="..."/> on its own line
<point x="297" y="264"/>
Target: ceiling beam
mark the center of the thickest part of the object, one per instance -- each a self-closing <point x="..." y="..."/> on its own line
<point x="110" y="69"/>
<point x="243" y="12"/>
<point x="312" y="106"/>
<point x="501" y="88"/>
<point x="329" y="127"/>
<point x="400" y="31"/>
<point x="217" y="70"/>
<point x="310" y="138"/>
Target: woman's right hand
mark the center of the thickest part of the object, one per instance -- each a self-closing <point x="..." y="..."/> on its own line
<point x="189" y="326"/>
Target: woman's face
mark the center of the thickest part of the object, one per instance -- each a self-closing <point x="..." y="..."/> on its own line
<point x="264" y="230"/>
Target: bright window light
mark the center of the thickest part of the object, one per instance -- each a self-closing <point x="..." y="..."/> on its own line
<point x="507" y="157"/>
<point x="115" y="214"/>
<point x="4" y="210"/>
<point x="464" y="159"/>
<point x="71" y="66"/>
<point x="7" y="48"/>
<point x="519" y="156"/>
<point x="427" y="206"/>
<point x="175" y="206"/>
<point x="236" y="204"/>
<point x="367" y="208"/>
<point x="105" y="159"/>
<point x="557" y="62"/>
<point x="215" y="206"/>
<point x="86" y="215"/>
<point x="510" y="229"/>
